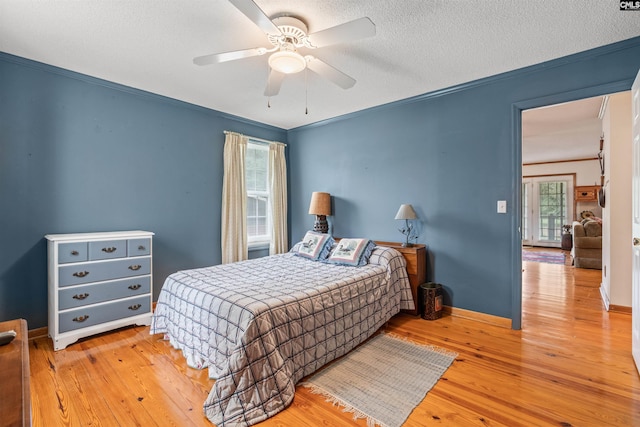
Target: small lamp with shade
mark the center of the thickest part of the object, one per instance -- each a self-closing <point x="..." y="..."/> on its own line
<point x="320" y="206"/>
<point x="406" y="212"/>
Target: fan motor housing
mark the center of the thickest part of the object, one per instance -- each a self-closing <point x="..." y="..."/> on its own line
<point x="293" y="31"/>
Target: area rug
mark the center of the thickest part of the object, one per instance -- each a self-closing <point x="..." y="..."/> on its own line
<point x="382" y="380"/>
<point x="548" y="257"/>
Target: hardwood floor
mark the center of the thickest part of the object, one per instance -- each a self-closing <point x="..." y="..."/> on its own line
<point x="571" y="365"/>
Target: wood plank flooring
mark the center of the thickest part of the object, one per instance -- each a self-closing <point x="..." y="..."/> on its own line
<point x="571" y="365"/>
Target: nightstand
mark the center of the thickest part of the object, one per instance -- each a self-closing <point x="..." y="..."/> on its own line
<point x="416" y="257"/>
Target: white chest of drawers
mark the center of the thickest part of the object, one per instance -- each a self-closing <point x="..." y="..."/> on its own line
<point x="98" y="282"/>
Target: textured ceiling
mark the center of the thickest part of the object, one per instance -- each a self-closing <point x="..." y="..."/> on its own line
<point x="565" y="131"/>
<point x="420" y="46"/>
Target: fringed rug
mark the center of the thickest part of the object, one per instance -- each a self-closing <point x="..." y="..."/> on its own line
<point x="382" y="380"/>
<point x="548" y="257"/>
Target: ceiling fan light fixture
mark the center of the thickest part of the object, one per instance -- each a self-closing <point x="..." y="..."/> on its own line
<point x="287" y="62"/>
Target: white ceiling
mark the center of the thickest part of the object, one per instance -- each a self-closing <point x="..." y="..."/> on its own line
<point x="420" y="46"/>
<point x="566" y="131"/>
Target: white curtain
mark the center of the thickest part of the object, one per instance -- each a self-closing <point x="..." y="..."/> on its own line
<point x="234" y="200"/>
<point x="278" y="196"/>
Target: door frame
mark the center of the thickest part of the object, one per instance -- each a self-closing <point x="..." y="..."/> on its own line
<point x="516" y="170"/>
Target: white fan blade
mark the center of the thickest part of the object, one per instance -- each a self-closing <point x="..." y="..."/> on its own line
<point x="274" y="83"/>
<point x="347" y="32"/>
<point x="215" y="58"/>
<point x="253" y="12"/>
<point x="328" y="72"/>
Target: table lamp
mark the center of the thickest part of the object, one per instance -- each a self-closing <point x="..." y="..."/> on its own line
<point x="320" y="207"/>
<point x="406" y="212"/>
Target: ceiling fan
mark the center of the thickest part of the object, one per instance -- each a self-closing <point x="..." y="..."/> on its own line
<point x="287" y="34"/>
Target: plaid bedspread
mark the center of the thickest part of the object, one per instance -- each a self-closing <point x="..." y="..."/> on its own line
<point x="262" y="325"/>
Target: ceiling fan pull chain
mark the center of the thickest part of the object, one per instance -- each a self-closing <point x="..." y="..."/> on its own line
<point x="268" y="87"/>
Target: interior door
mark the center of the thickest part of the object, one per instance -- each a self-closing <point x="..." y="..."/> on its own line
<point x="635" y="303"/>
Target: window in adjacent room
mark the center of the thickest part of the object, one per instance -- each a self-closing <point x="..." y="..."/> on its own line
<point x="547" y="204"/>
<point x="257" y="183"/>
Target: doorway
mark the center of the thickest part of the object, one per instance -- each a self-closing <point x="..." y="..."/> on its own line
<point x="560" y="145"/>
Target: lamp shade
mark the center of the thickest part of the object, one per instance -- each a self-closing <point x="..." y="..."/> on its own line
<point x="320" y="204"/>
<point x="406" y="212"/>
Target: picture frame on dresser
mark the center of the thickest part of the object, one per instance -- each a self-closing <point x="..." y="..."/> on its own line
<point x="98" y="282"/>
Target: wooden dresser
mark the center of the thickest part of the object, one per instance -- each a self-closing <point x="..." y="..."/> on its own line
<point x="416" y="257"/>
<point x="15" y="390"/>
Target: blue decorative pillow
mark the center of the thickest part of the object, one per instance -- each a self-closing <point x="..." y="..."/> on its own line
<point x="355" y="252"/>
<point x="315" y="246"/>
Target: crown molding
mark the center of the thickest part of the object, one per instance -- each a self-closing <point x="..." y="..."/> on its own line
<point x="95" y="81"/>
<point x="554" y="63"/>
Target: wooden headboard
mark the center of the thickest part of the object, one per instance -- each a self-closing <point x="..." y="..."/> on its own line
<point x="416" y="257"/>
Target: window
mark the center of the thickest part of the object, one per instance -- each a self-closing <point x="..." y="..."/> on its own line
<point x="257" y="183"/>
<point x="552" y="211"/>
<point x="525" y="211"/>
<point x="547" y="204"/>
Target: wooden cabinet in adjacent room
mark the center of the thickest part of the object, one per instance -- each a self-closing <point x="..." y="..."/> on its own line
<point x="586" y="193"/>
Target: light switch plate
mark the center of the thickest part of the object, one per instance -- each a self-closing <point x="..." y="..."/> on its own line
<point x="502" y="206"/>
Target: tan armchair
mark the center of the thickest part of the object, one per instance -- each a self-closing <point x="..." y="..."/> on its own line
<point x="587" y="244"/>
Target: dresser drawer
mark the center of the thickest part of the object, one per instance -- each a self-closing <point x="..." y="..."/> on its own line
<point x="97" y="271"/>
<point x="138" y="247"/>
<point x="101" y="292"/>
<point x="93" y="315"/>
<point x="586" y="193"/>
<point x="107" y="249"/>
<point x="72" y="252"/>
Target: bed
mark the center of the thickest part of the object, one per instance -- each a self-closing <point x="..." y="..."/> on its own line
<point x="260" y="326"/>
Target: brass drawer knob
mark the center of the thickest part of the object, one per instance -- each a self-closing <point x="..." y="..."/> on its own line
<point x="135" y="307"/>
<point x="135" y="287"/>
<point x="135" y="267"/>
<point x="80" y="296"/>
<point x="81" y="273"/>
<point x="75" y="253"/>
<point x="141" y="248"/>
<point x="109" y="250"/>
<point x="81" y="318"/>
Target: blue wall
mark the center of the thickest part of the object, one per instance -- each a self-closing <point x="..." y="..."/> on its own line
<point x="452" y="154"/>
<point x="79" y="154"/>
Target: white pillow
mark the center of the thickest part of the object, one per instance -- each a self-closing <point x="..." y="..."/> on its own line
<point x="315" y="246"/>
<point x="355" y="252"/>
